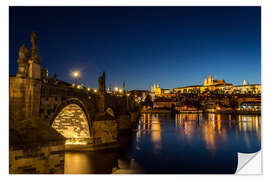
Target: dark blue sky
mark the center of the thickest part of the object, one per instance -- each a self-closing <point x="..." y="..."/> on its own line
<point x="172" y="46"/>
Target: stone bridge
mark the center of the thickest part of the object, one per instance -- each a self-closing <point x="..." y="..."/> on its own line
<point x="242" y="100"/>
<point x="82" y="116"/>
<point x="48" y="116"/>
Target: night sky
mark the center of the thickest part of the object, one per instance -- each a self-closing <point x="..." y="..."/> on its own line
<point x="172" y="46"/>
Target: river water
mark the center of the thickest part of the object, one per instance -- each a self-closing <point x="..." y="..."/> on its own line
<point x="175" y="144"/>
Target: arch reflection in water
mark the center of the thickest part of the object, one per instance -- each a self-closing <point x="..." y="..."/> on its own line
<point x="77" y="163"/>
<point x="102" y="162"/>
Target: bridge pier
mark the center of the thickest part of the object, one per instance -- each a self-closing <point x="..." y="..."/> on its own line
<point x="34" y="146"/>
<point x="24" y="100"/>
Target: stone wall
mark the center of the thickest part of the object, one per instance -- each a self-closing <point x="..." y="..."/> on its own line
<point x="124" y="122"/>
<point x="48" y="106"/>
<point x="105" y="131"/>
<point x="127" y="122"/>
<point x="39" y="160"/>
<point x="24" y="100"/>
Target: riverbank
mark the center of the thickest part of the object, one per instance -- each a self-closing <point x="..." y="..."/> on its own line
<point x="205" y="111"/>
<point x="234" y="112"/>
<point x="156" y="111"/>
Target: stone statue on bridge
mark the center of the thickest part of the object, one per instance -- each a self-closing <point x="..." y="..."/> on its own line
<point x="23" y="62"/>
<point x="29" y="63"/>
<point x="101" y="91"/>
<point x="34" y="39"/>
<point x="101" y="83"/>
<point x="34" y="51"/>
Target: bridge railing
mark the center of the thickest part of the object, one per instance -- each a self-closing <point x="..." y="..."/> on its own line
<point x="69" y="91"/>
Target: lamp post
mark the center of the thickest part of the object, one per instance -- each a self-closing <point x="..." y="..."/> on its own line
<point x="76" y="75"/>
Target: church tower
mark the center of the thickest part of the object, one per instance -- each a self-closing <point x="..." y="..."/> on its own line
<point x="210" y="79"/>
<point x="245" y="83"/>
<point x="154" y="88"/>
<point x="205" y="81"/>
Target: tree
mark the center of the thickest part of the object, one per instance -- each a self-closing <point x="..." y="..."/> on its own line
<point x="206" y="90"/>
<point x="148" y="101"/>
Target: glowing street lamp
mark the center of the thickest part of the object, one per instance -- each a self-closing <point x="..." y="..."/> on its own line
<point x="76" y="75"/>
<point x="116" y="89"/>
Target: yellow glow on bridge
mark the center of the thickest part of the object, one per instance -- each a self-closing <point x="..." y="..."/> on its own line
<point x="72" y="123"/>
<point x="75" y="142"/>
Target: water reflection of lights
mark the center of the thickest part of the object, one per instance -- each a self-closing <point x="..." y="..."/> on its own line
<point x="191" y="117"/>
<point x="156" y="132"/>
<point x="151" y="124"/>
<point x="78" y="163"/>
<point x="211" y="116"/>
<point x="249" y="123"/>
<point x="212" y="126"/>
<point x="209" y="136"/>
<point x="219" y="122"/>
<point x="187" y="123"/>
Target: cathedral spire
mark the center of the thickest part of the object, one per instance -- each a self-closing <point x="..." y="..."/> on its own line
<point x="210" y="79"/>
<point x="205" y="81"/>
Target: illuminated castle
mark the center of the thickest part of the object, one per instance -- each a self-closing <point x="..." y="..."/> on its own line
<point x="156" y="89"/>
<point x="211" y="84"/>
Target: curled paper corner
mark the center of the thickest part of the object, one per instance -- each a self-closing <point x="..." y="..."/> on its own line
<point x="249" y="164"/>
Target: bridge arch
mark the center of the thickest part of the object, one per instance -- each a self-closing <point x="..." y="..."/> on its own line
<point x="72" y="120"/>
<point x="242" y="101"/>
<point x="250" y="105"/>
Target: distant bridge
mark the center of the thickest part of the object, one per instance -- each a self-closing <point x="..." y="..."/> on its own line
<point x="249" y="100"/>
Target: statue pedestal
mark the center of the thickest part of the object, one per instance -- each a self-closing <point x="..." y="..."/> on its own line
<point x="34" y="70"/>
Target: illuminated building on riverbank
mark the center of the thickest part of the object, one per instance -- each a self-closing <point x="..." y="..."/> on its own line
<point x="158" y="91"/>
<point x="211" y="84"/>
